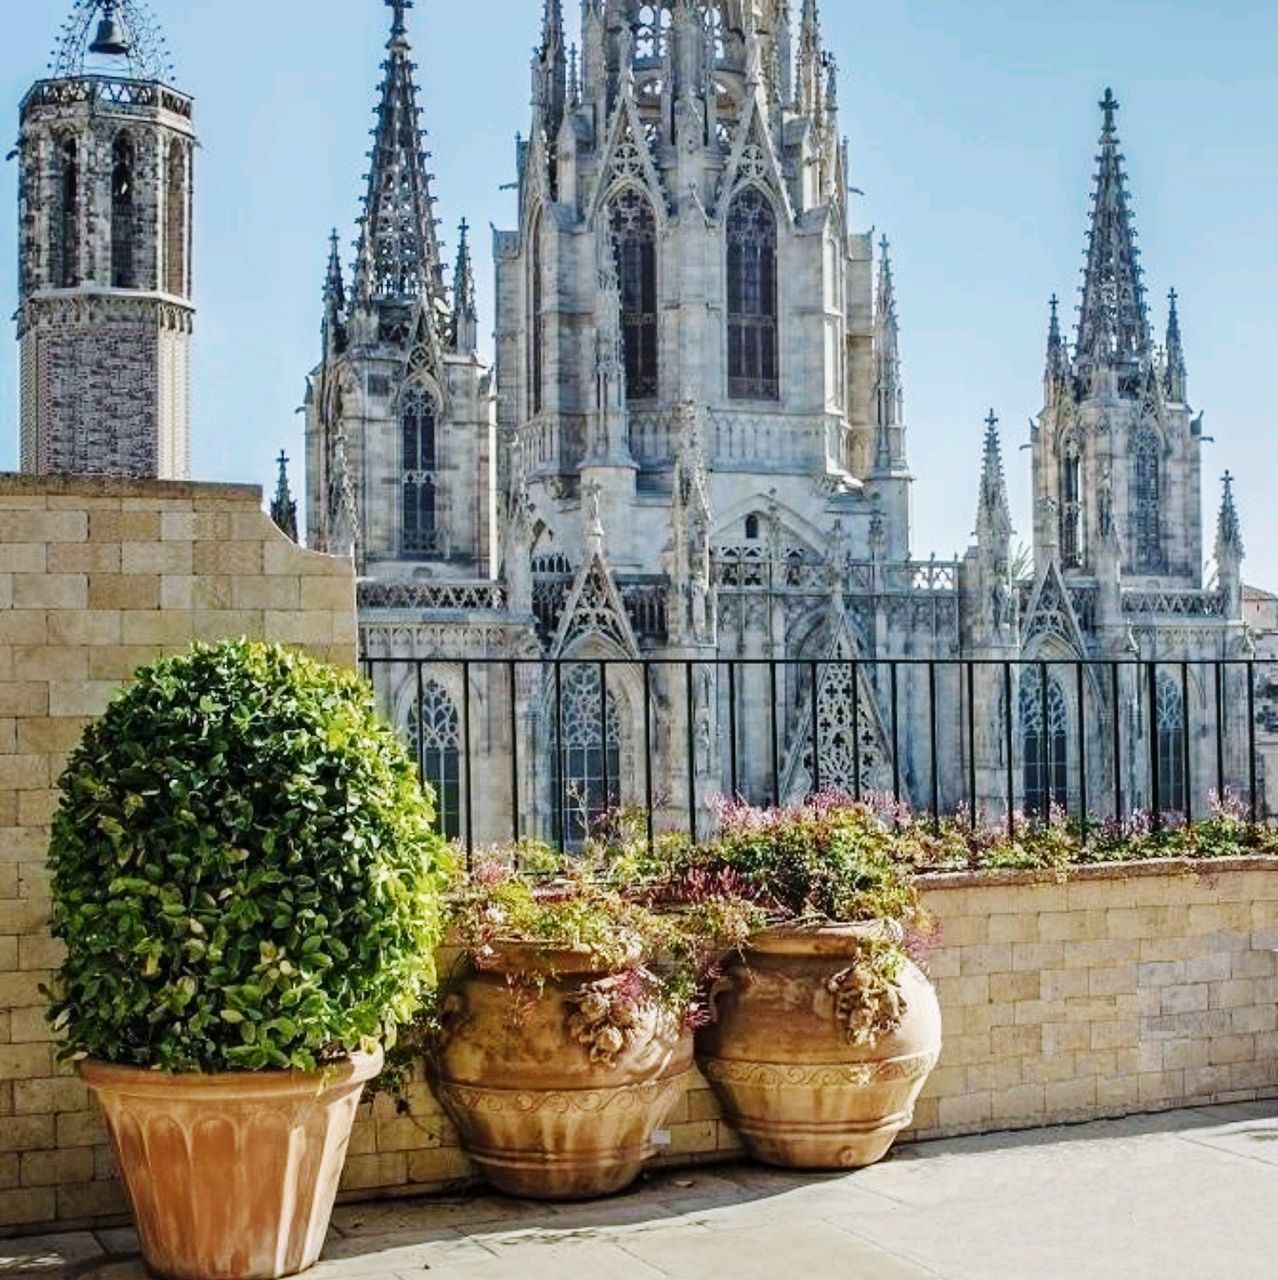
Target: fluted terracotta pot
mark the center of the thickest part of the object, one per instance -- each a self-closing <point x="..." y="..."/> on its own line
<point x="538" y="1112"/>
<point x="231" y="1176"/>
<point x="780" y="1060"/>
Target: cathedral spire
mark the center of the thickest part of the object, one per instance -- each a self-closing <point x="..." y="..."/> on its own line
<point x="993" y="514"/>
<point x="809" y="85"/>
<point x="465" y="309"/>
<point x="1229" y="543"/>
<point x="283" y="507"/>
<point x="889" y="444"/>
<point x="334" y="301"/>
<point x="1174" y="374"/>
<point x="398" y="251"/>
<point x="551" y="68"/>
<point x="1057" y="355"/>
<point x="1113" y="324"/>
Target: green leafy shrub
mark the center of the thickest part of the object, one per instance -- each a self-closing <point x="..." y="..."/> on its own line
<point x="245" y="870"/>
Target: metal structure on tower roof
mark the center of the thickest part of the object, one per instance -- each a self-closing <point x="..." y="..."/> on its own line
<point x="135" y="48"/>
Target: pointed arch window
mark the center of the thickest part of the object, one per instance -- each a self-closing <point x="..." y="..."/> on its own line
<point x="176" y="227"/>
<point x="1170" y="720"/>
<point x="1044" y="744"/>
<point x="634" y="240"/>
<point x="590" y="757"/>
<point x="1147" y="503"/>
<point x="752" y="298"/>
<point x="536" y="325"/>
<point x="1071" y="506"/>
<point x="418" y="420"/>
<point x="434" y="729"/>
<point x="64" y="237"/>
<point x="122" y="223"/>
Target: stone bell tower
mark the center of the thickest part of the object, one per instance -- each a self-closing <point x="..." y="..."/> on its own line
<point x="104" y="310"/>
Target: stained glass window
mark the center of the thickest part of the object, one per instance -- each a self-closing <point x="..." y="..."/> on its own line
<point x="752" y="298"/>
<point x="434" y="729"/>
<point x="1044" y="747"/>
<point x="634" y="240"/>
<point x="417" y="416"/>
<point x="591" y="759"/>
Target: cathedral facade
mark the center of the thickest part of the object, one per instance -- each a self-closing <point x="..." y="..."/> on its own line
<point x="686" y="474"/>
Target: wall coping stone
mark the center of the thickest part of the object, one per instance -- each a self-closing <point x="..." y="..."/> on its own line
<point x="1202" y="867"/>
<point x="12" y="482"/>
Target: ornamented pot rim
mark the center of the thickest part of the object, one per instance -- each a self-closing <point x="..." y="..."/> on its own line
<point x="809" y="1075"/>
<point x="548" y="959"/>
<point x="822" y="937"/>
<point x="228" y="1086"/>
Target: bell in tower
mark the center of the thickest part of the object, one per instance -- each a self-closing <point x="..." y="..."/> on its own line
<point x="105" y="314"/>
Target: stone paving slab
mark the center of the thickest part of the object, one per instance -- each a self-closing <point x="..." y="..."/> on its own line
<point x="1186" y="1195"/>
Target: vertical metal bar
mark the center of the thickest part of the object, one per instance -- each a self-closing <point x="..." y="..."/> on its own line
<point x="561" y="785"/>
<point x="1008" y="745"/>
<point x="1187" y="762"/>
<point x="932" y="743"/>
<point x="732" y="729"/>
<point x="856" y="729"/>
<point x="691" y="747"/>
<point x="1081" y="693"/>
<point x="1117" y="745"/>
<point x="814" y="725"/>
<point x="603" y="736"/>
<point x="896" y="736"/>
<point x="515" y="824"/>
<point x="1219" y="674"/>
<point x="971" y="741"/>
<point x="421" y="746"/>
<point x="1155" y="782"/>
<point x="470" y="815"/>
<point x="1045" y="744"/>
<point x="776" y="745"/>
<point x="1251" y="740"/>
<point x="647" y="753"/>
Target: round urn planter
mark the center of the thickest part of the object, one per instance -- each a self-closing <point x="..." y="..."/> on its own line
<point x="550" y="1102"/>
<point x="789" y="1078"/>
<point x="231" y="1176"/>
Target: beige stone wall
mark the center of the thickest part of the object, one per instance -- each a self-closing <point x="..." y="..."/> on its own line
<point x="1120" y="990"/>
<point x="96" y="578"/>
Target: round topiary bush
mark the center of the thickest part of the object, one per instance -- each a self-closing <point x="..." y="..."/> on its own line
<point x="245" y="868"/>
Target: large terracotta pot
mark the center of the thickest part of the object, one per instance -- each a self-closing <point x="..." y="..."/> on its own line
<point x="231" y="1176"/>
<point x="789" y="1079"/>
<point x="540" y="1114"/>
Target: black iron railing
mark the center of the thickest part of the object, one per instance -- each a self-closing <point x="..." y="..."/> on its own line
<point x="530" y="746"/>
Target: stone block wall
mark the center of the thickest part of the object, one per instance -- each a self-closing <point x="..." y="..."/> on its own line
<point x="96" y="578"/>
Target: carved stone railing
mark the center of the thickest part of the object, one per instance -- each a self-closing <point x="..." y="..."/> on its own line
<point x="751" y="569"/>
<point x="106" y="91"/>
<point x="449" y="597"/>
<point x="1181" y="604"/>
<point x="742" y="438"/>
<point x="647" y="602"/>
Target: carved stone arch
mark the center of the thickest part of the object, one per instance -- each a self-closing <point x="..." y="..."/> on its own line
<point x="754" y="160"/>
<point x="627" y="158"/>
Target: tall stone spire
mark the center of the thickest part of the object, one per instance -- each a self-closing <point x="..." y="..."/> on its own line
<point x="1229" y="551"/>
<point x="809" y="86"/>
<point x="334" y="301"/>
<point x="283" y="507"/>
<point x="889" y="448"/>
<point x="993" y="513"/>
<point x="465" y="309"/>
<point x="1057" y="356"/>
<point x="551" y="69"/>
<point x="1174" y="372"/>
<point x="398" y="255"/>
<point x="1113" y="326"/>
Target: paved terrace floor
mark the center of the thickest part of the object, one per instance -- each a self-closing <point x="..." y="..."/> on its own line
<point x="1186" y="1195"/>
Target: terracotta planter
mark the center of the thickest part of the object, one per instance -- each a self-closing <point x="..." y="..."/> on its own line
<point x="790" y="1082"/>
<point x="536" y="1112"/>
<point x="231" y="1176"/>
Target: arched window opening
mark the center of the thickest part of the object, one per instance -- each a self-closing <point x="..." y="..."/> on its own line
<point x="634" y="240"/>
<point x="434" y="729"/>
<point x="536" y="324"/>
<point x="1044" y="745"/>
<point x="590" y="758"/>
<point x="1071" y="508"/>
<point x="175" y="223"/>
<point x="1170" y="718"/>
<point x="752" y="298"/>
<point x="418" y="420"/>
<point x="752" y="528"/>
<point x="122" y="224"/>
<point x="1147" y="503"/>
<point x="64" y="247"/>
<point x="651" y="32"/>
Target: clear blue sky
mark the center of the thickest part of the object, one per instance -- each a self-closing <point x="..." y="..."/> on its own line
<point x="973" y="128"/>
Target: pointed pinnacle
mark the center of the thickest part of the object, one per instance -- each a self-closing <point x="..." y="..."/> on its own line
<point x="1109" y="105"/>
